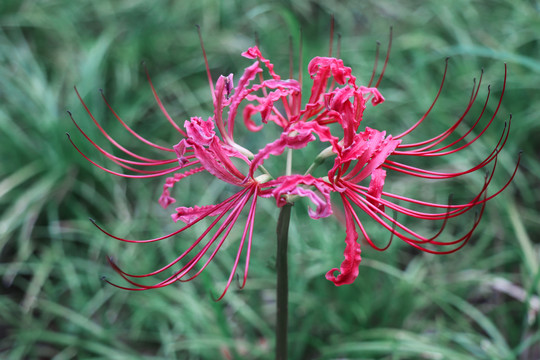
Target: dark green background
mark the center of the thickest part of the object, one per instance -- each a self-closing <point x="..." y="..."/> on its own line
<point x="479" y="303"/>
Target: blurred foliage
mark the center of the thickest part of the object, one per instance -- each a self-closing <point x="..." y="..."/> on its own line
<point x="480" y="303"/>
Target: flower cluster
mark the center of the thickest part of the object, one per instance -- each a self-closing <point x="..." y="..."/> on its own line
<point x="332" y="115"/>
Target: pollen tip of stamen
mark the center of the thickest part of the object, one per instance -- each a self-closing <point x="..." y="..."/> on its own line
<point x="238" y="284"/>
<point x="447" y="58"/>
<point x="68" y="136"/>
<point x="216" y="299"/>
<point x="69" y="112"/>
<point x="101" y="91"/>
<point x="103" y="278"/>
<point x="92" y="221"/>
<point x="489" y="87"/>
<point x="378" y="43"/>
<point x="198" y="26"/>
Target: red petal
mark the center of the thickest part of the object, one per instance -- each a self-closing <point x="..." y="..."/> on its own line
<point x="349" y="267"/>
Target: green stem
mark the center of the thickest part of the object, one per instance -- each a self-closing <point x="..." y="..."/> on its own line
<point x="282" y="293"/>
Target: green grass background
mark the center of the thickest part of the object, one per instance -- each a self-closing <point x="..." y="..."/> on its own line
<point x="479" y="303"/>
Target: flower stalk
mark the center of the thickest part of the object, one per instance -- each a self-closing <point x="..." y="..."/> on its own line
<point x="282" y="292"/>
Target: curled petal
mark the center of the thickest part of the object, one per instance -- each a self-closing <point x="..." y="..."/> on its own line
<point x="290" y="185"/>
<point x="248" y="113"/>
<point x="386" y="148"/>
<point x="180" y="150"/>
<point x="377" y="149"/>
<point x="216" y="160"/>
<point x="376" y="187"/>
<point x="344" y="111"/>
<point x="349" y="267"/>
<point x="267" y="103"/>
<point x="289" y="84"/>
<point x="291" y="139"/>
<point x="341" y="73"/>
<point x="166" y="199"/>
<point x="283" y="88"/>
<point x="200" y="131"/>
<point x="323" y="132"/>
<point x="376" y="97"/>
<point x="255" y="53"/>
<point x="221" y="100"/>
<point x="190" y="214"/>
<point x="240" y="93"/>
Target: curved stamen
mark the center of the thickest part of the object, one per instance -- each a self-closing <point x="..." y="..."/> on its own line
<point x="160" y="104"/>
<point x="386" y="58"/>
<point x="430" y="108"/>
<point x="107" y="136"/>
<point x="121" y="161"/>
<point x="226" y="226"/>
<point x="148" y="173"/>
<point x="147" y="142"/>
<point x="442" y="136"/>
<point x="208" y="74"/>
<point x="414" y="171"/>
<point x="375" y="63"/>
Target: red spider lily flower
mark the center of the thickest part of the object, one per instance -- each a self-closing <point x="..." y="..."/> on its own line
<point x="366" y="154"/>
<point x="359" y="154"/>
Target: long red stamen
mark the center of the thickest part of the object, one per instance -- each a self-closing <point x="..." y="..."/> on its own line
<point x="226" y="226"/>
<point x="189" y="249"/>
<point x="416" y="240"/>
<point x="249" y="224"/>
<point x="161" y="106"/>
<point x="386" y="58"/>
<point x="114" y="142"/>
<point x="439" y="138"/>
<point x="148" y="173"/>
<point x="430" y="108"/>
<point x="147" y="142"/>
<point x="375" y="63"/>
<point x="208" y="74"/>
<point x="119" y="160"/>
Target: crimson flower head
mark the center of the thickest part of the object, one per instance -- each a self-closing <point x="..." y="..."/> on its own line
<point x="358" y="160"/>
